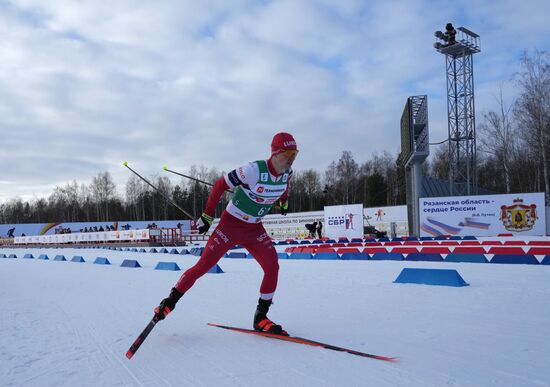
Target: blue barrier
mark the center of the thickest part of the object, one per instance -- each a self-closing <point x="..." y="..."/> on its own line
<point x="355" y="257"/>
<point x="387" y="256"/>
<point x="526" y="259"/>
<point x="235" y="255"/>
<point x="59" y="258"/>
<point x="330" y="241"/>
<point x="282" y="255"/>
<point x="469" y="238"/>
<point x="130" y="263"/>
<point x="216" y="269"/>
<point x="282" y="243"/>
<point x="356" y="240"/>
<point x="431" y="257"/>
<point x="153" y="250"/>
<point x="455" y="238"/>
<point x="164" y="250"/>
<point x="343" y="240"/>
<point x="441" y="277"/>
<point x="465" y="257"/>
<point x="196" y="251"/>
<point x="77" y="258"/>
<point x="325" y="256"/>
<point x="300" y="256"/>
<point x="426" y="238"/>
<point x="101" y="261"/>
<point x="184" y="252"/>
<point x="305" y="242"/>
<point x="545" y="261"/>
<point x="174" y="251"/>
<point x="142" y="250"/>
<point x="28" y="256"/>
<point x="317" y="241"/>
<point x="43" y="256"/>
<point x="293" y="243"/>
<point x="3" y="256"/>
<point x="167" y="266"/>
<point x="12" y="256"/>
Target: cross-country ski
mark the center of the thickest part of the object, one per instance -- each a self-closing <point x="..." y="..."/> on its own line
<point x="301" y="340"/>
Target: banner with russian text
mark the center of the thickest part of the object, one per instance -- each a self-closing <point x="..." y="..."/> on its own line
<point x="487" y="215"/>
<point x="344" y="221"/>
<point x="104" y="236"/>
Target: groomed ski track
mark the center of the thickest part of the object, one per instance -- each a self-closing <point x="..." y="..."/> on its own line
<point x="67" y="324"/>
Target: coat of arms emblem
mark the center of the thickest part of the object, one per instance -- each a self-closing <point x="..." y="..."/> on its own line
<point x="518" y="216"/>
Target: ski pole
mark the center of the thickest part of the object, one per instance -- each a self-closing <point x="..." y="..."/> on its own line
<point x="159" y="191"/>
<point x="189" y="177"/>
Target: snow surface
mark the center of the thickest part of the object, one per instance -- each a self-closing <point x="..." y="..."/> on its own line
<point x="70" y="324"/>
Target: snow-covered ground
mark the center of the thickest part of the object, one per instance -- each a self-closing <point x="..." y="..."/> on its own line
<point x="70" y="324"/>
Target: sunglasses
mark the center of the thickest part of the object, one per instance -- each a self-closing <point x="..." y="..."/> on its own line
<point x="290" y="152"/>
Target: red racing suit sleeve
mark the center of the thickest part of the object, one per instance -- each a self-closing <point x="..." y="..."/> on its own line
<point x="220" y="186"/>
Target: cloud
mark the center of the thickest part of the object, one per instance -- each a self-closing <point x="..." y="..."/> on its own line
<point x="85" y="86"/>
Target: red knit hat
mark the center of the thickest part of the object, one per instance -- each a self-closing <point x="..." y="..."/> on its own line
<point x="281" y="142"/>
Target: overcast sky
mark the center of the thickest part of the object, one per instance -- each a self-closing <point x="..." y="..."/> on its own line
<point x="86" y="85"/>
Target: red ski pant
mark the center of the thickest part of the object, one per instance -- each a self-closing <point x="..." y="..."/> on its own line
<point x="230" y="232"/>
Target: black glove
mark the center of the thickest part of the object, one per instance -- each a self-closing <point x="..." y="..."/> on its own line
<point x="204" y="223"/>
<point x="284" y="207"/>
<point x="168" y="304"/>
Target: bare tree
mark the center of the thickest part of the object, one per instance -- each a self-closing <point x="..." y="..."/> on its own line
<point x="165" y="188"/>
<point x="440" y="162"/>
<point x="498" y="138"/>
<point x="103" y="190"/>
<point x="533" y="107"/>
<point x="134" y="196"/>
<point x="348" y="171"/>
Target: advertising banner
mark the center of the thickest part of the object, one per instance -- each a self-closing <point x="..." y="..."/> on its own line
<point x="344" y="221"/>
<point x="105" y="236"/>
<point x="382" y="217"/>
<point x="487" y="215"/>
<point x="13" y="230"/>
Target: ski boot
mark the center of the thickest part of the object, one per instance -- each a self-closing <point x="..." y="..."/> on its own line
<point x="167" y="305"/>
<point x="262" y="323"/>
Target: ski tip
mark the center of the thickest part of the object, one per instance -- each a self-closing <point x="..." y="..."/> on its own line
<point x="129" y="355"/>
<point x="125" y="163"/>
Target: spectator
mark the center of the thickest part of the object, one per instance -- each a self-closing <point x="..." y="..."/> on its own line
<point x="320" y="229"/>
<point x="311" y="227"/>
<point x="10" y="232"/>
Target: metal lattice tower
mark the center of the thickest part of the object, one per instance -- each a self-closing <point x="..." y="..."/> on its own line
<point x="460" y="109"/>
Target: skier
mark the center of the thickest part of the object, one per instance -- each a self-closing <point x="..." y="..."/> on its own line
<point x="259" y="185"/>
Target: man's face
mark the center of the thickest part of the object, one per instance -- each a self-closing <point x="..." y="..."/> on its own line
<point x="283" y="161"/>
